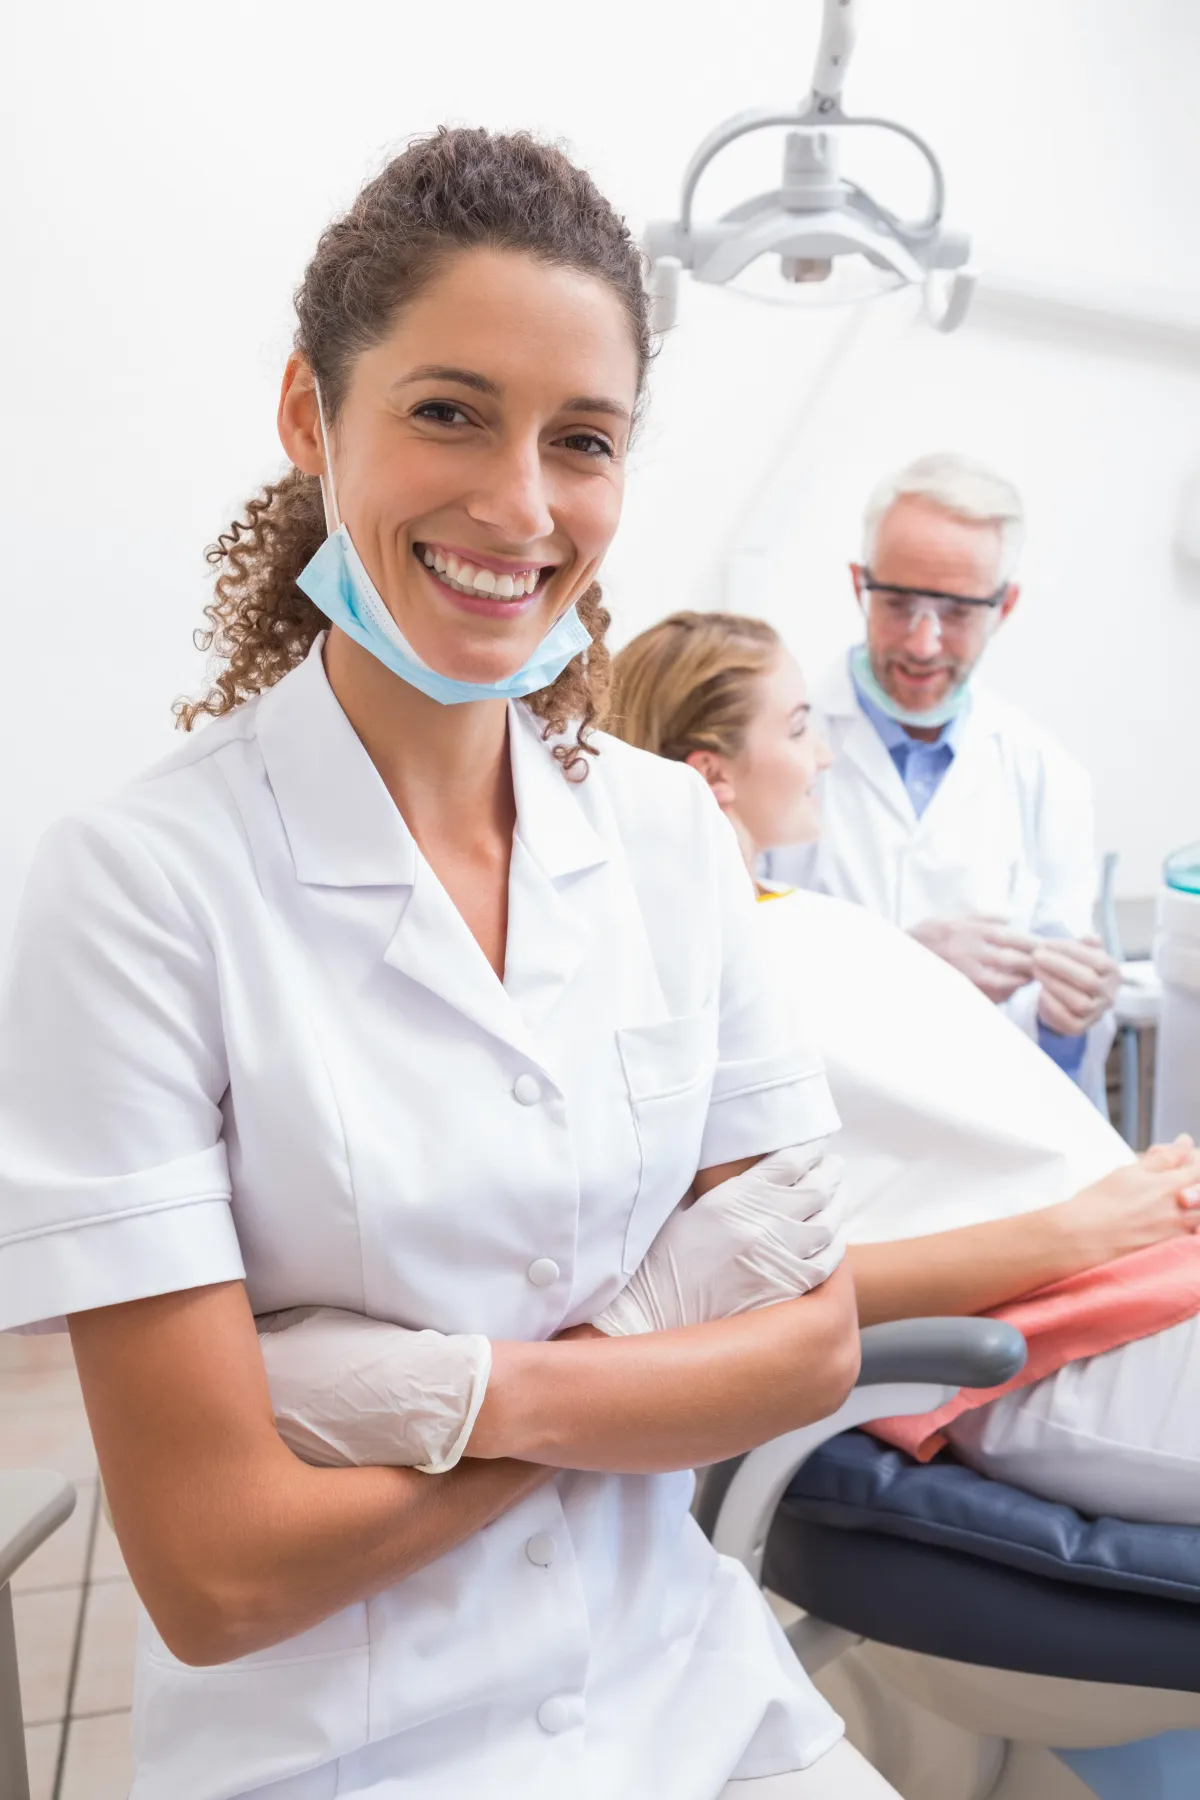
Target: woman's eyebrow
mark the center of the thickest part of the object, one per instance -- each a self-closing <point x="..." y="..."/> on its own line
<point x="594" y="403"/>
<point x="483" y="384"/>
<point x="802" y="711"/>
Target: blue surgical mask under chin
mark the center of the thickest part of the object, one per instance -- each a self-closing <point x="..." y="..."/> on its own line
<point x="932" y="718"/>
<point x="336" y="581"/>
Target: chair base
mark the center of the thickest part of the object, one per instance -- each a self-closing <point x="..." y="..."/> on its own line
<point x="939" y="1730"/>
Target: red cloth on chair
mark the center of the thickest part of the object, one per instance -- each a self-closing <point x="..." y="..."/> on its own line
<point x="1098" y="1310"/>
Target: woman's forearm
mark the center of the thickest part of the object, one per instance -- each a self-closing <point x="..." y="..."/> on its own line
<point x="966" y="1271"/>
<point x="232" y="1542"/>
<point x="672" y="1399"/>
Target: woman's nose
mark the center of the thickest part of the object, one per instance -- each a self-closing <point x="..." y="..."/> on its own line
<point x="513" y="499"/>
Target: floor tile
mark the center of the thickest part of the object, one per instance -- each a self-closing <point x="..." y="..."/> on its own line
<point x="35" y="1388"/>
<point x="48" y="1437"/>
<point x="107" y="1562"/>
<point x="62" y="1559"/>
<point x="41" y="1753"/>
<point x="105" y="1679"/>
<point x="46" y="1624"/>
<point x="97" y="1765"/>
<point x="48" y="1350"/>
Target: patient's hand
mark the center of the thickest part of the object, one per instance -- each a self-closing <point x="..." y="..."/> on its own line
<point x="1156" y="1197"/>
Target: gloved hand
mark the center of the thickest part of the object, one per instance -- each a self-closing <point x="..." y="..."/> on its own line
<point x="767" y="1235"/>
<point x="348" y="1391"/>
<point x="984" y="948"/>
<point x="1079" y="982"/>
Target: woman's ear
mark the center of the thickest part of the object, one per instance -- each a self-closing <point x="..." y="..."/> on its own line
<point x="715" y="771"/>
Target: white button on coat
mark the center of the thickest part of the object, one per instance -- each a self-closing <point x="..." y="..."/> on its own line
<point x="541" y="1549"/>
<point x="251" y="933"/>
<point x="544" y="1272"/>
<point x="527" y="1089"/>
<point x="559" y="1712"/>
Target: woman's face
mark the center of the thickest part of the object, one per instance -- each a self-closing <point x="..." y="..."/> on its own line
<point x="772" y="780"/>
<point x="479" y="454"/>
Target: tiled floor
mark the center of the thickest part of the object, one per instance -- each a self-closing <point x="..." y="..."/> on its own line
<point x="72" y="1602"/>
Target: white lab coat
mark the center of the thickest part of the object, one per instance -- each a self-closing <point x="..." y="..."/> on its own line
<point x="950" y="1119"/>
<point x="247" y="1033"/>
<point x="1009" y="832"/>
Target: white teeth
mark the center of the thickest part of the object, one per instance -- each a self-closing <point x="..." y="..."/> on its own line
<point x="470" y="580"/>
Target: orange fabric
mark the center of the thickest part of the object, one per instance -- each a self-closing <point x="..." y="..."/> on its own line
<point x="1100" y="1309"/>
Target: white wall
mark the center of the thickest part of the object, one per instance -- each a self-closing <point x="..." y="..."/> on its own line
<point x="167" y="171"/>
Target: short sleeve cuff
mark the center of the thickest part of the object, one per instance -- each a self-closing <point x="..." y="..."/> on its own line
<point x="764" y="1105"/>
<point x="104" y="1261"/>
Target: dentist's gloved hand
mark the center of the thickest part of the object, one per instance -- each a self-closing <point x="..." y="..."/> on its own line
<point x="352" y="1391"/>
<point x="769" y="1234"/>
<point x="993" y="955"/>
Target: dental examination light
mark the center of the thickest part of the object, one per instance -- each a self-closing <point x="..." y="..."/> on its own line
<point x="823" y="229"/>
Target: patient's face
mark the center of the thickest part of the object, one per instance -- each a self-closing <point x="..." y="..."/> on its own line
<point x="774" y="775"/>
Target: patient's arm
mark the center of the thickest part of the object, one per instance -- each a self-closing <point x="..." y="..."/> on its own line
<point x="977" y="1267"/>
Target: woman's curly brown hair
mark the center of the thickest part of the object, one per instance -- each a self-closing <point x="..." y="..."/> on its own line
<point x="456" y="190"/>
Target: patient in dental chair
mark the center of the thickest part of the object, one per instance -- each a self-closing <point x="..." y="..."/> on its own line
<point x="975" y="1171"/>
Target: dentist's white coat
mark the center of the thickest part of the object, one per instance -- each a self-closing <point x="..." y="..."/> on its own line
<point x="247" y="1033"/>
<point x="1008" y="832"/>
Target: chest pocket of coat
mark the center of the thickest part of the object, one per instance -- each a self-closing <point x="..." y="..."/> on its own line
<point x="669" y="1070"/>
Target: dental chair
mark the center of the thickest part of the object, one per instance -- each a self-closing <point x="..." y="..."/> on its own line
<point x="33" y="1504"/>
<point x="981" y="1644"/>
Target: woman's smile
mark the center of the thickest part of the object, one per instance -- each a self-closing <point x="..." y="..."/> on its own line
<point x="489" y="586"/>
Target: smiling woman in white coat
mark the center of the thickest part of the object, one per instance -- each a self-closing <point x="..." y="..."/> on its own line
<point x="377" y="996"/>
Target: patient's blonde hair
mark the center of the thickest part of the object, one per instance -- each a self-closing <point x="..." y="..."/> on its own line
<point x="689" y="683"/>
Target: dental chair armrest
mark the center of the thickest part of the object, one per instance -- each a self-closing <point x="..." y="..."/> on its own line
<point x="911" y="1366"/>
<point x="971" y="1353"/>
<point x="33" y="1504"/>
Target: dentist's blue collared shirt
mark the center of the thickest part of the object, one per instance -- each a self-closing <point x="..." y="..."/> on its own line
<point x="922" y="767"/>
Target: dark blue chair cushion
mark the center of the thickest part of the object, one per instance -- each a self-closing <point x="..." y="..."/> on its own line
<point x="934" y="1557"/>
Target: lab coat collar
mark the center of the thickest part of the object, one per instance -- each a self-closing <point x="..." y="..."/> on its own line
<point x="341" y="824"/>
<point x="343" y="827"/>
<point x="854" y="735"/>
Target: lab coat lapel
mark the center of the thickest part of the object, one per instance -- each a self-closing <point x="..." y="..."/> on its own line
<point x="433" y="948"/>
<point x="554" y="850"/>
<point x="557" y="853"/>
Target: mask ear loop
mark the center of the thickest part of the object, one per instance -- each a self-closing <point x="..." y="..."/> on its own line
<point x="328" y="494"/>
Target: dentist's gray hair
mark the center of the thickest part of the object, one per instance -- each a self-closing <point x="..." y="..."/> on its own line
<point x="962" y="487"/>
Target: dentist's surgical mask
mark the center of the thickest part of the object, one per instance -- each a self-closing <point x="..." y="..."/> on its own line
<point x="337" y="582"/>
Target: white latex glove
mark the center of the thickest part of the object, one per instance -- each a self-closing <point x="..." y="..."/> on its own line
<point x="350" y="1391"/>
<point x="764" y="1236"/>
<point x="984" y="948"/>
<point x="1079" y="982"/>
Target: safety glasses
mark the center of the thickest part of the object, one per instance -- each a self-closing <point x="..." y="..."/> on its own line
<point x="906" y="606"/>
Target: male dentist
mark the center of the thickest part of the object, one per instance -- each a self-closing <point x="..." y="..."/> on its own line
<point x="946" y="810"/>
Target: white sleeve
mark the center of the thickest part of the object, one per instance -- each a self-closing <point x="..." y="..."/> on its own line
<point x="1067" y="868"/>
<point x="770" y="1088"/>
<point x="113" y="1175"/>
